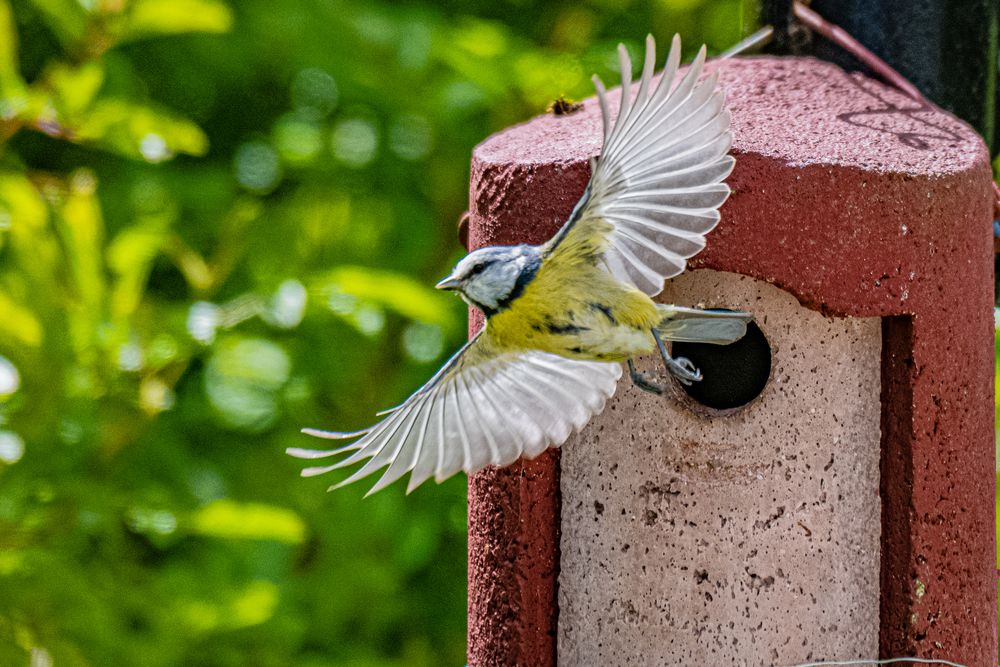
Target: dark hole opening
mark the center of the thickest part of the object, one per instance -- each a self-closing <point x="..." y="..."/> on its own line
<point x="732" y="375"/>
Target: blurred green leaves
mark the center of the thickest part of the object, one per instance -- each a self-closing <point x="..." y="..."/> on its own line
<point x="139" y="131"/>
<point x="65" y="102"/>
<point x="220" y="222"/>
<point x="126" y="20"/>
<point x="66" y="18"/>
<point x="243" y="379"/>
<point x="251" y="606"/>
<point x="350" y="289"/>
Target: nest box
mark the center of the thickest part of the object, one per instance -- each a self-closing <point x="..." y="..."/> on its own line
<point x="827" y="492"/>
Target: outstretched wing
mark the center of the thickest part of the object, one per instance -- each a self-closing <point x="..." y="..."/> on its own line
<point x="655" y="191"/>
<point x="484" y="407"/>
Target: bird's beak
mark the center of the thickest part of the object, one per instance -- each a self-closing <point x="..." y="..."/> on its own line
<point x="449" y="283"/>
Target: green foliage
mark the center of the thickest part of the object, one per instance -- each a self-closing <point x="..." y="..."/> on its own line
<point x="220" y="223"/>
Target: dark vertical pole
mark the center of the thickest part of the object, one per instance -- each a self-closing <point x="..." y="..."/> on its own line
<point x="778" y="15"/>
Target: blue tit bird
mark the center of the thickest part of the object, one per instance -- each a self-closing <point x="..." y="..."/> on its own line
<point x="562" y="316"/>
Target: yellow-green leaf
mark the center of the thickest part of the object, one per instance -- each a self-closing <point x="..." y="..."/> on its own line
<point x="483" y="39"/>
<point x="249" y="521"/>
<point x="82" y="228"/>
<point x="140" y="131"/>
<point x="255" y="605"/>
<point x="18" y="323"/>
<point x="10" y="77"/>
<point x="393" y="291"/>
<point x="34" y="247"/>
<point x="21" y="203"/>
<point x="13" y="91"/>
<point x="74" y="88"/>
<point x="130" y="256"/>
<point x="66" y="18"/>
<point x="148" y="18"/>
<point x="251" y="606"/>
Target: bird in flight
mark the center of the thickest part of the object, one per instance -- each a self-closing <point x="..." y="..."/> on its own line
<point x="562" y="316"/>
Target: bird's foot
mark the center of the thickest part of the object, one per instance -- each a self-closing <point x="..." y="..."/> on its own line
<point x="642" y="381"/>
<point x="682" y="369"/>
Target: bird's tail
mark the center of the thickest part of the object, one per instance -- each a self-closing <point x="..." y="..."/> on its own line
<point x="691" y="325"/>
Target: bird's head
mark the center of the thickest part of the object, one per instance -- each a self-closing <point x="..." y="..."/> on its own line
<point x="491" y="278"/>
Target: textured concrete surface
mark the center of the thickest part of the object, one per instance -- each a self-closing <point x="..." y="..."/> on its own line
<point x="746" y="539"/>
<point x="860" y="204"/>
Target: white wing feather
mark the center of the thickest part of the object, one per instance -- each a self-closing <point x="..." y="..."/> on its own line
<point x="658" y="185"/>
<point x="659" y="180"/>
<point x="482" y="408"/>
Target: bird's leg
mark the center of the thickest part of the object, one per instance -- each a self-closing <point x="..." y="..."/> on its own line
<point x="681" y="368"/>
<point x="642" y="381"/>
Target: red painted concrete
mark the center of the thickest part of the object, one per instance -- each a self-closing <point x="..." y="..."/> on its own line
<point x="514" y="524"/>
<point x="857" y="203"/>
<point x="514" y="511"/>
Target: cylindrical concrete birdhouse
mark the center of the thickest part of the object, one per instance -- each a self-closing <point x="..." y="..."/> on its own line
<point x="827" y="491"/>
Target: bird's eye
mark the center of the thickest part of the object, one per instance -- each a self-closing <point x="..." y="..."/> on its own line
<point x="477" y="269"/>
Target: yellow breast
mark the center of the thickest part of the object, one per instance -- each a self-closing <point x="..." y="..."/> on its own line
<point x="577" y="310"/>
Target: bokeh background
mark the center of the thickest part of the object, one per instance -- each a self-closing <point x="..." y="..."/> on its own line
<point x="219" y="222"/>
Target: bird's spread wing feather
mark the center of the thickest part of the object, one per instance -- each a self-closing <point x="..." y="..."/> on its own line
<point x="484" y="407"/>
<point x="655" y="191"/>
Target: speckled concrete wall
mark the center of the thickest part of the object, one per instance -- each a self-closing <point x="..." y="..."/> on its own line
<point x="746" y="539"/>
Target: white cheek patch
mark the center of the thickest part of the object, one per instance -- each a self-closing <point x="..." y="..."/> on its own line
<point x="493" y="285"/>
<point x="476" y="297"/>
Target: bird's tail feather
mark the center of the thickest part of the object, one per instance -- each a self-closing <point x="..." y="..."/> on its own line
<point x="691" y="325"/>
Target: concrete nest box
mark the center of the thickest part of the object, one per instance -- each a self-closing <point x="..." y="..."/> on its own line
<point x="831" y="494"/>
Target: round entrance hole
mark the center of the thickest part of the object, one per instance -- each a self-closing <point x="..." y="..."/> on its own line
<point x="732" y="375"/>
